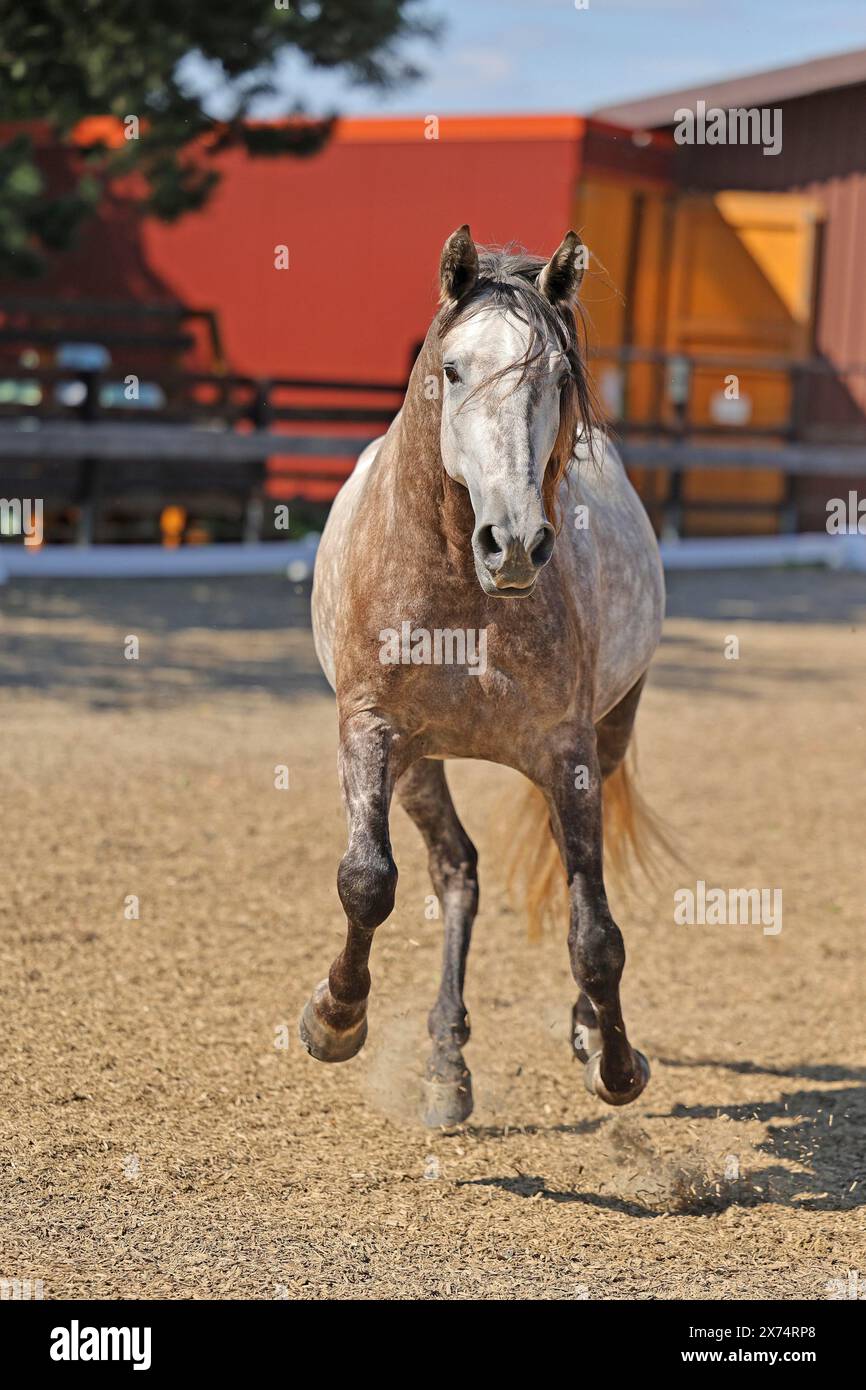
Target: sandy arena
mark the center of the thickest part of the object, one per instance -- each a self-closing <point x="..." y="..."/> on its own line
<point x="164" y="1135"/>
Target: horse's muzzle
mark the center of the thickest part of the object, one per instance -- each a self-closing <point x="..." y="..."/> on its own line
<point x="508" y="565"/>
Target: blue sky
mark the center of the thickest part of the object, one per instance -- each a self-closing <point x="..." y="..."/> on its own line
<point x="546" y="55"/>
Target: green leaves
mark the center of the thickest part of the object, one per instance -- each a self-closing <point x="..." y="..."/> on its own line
<point x="60" y="63"/>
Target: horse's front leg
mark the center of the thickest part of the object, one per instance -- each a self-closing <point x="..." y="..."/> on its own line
<point x="333" y="1025"/>
<point x="424" y="794"/>
<point x="616" y="1072"/>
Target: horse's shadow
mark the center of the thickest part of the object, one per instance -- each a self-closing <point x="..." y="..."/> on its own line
<point x="525" y="1185"/>
<point x="822" y="1131"/>
<point x="505" y="1131"/>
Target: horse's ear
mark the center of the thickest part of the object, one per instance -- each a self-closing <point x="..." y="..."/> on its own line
<point x="559" y="281"/>
<point x="458" y="266"/>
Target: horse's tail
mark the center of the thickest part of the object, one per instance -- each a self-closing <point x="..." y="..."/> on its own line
<point x="632" y="835"/>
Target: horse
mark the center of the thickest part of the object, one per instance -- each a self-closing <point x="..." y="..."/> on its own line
<point x="495" y="508"/>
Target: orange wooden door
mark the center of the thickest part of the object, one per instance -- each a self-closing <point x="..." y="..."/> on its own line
<point x="742" y="279"/>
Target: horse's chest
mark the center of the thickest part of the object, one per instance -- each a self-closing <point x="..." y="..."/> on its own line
<point x="468" y="687"/>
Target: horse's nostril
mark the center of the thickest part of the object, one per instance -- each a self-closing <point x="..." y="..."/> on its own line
<point x="487" y="542"/>
<point x="542" y="547"/>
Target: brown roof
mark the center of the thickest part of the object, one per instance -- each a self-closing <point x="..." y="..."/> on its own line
<point x="755" y="89"/>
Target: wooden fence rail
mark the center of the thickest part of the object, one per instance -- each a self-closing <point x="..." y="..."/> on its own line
<point x="220" y="421"/>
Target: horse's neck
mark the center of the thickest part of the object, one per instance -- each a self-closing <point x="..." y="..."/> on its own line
<point x="426" y="504"/>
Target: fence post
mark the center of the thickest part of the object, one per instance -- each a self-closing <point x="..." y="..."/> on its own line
<point x="788" y="517"/>
<point x="679" y="380"/>
<point x="261" y="415"/>
<point x="90" y="469"/>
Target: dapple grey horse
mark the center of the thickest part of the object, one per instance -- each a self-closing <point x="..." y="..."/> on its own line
<point x="494" y="506"/>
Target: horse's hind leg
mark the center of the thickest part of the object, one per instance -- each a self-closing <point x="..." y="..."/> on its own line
<point x="333" y="1026"/>
<point x="616" y="1073"/>
<point x="424" y="794"/>
<point x="613" y="734"/>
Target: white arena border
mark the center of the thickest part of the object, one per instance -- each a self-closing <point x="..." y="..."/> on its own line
<point x="843" y="552"/>
<point x="292" y="558"/>
<point x="295" y="559"/>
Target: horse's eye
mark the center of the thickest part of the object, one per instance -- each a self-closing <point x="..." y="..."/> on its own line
<point x="451" y="372"/>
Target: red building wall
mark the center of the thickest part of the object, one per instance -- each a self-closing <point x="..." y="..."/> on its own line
<point x="364" y="222"/>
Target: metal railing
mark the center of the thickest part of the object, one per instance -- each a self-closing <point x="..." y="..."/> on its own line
<point x="219" y="421"/>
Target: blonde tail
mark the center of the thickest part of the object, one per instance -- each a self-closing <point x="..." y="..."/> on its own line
<point x="536" y="876"/>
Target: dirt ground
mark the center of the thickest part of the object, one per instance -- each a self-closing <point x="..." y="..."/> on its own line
<point x="165" y="1135"/>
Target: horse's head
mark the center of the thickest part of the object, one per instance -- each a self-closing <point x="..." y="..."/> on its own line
<point x="514" y="390"/>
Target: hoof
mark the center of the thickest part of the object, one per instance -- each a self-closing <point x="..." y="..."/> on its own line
<point x="585" y="1041"/>
<point x="322" y="1041"/>
<point x="447" y="1102"/>
<point x="596" y="1087"/>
